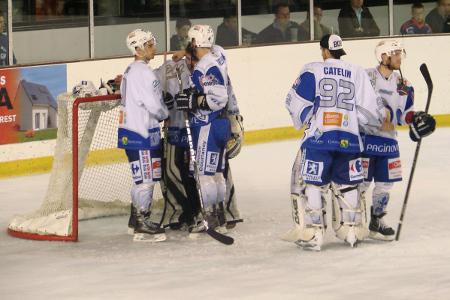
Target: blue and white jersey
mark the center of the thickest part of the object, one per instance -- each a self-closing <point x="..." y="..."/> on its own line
<point x="173" y="86"/>
<point x="232" y="105"/>
<point x="399" y="102"/>
<point x="210" y="76"/>
<point x="142" y="108"/>
<point x="334" y="98"/>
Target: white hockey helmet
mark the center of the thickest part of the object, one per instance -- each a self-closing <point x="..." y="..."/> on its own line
<point x="137" y="38"/>
<point x="203" y="36"/>
<point x="388" y="47"/>
<point x="84" y="89"/>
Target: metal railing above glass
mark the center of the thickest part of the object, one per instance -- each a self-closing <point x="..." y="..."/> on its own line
<point x="47" y="31"/>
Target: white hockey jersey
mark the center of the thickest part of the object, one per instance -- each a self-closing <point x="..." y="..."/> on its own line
<point x="142" y="108"/>
<point x="335" y="98"/>
<point x="173" y="86"/>
<point x="168" y="73"/>
<point x="399" y="102"/>
<point x="210" y="76"/>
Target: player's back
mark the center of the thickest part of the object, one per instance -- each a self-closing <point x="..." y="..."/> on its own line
<point x="210" y="78"/>
<point x="340" y="95"/>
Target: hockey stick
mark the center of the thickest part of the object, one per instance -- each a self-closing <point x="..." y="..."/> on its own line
<point x="162" y="183"/>
<point x="224" y="239"/>
<point x="427" y="77"/>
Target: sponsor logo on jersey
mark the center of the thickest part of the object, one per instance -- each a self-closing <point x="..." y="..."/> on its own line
<point x="124" y="140"/>
<point x="384" y="148"/>
<point x="345" y="122"/>
<point x="332" y="119"/>
<point x="343" y="143"/>
<point x="355" y="169"/>
<point x="136" y="171"/>
<point x="365" y="165"/>
<point x="156" y="168"/>
<point x="145" y="159"/>
<point x="394" y="168"/>
<point x="212" y="161"/>
<point x="208" y="80"/>
<point x="312" y="170"/>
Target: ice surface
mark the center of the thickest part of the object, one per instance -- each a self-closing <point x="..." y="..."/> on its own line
<point x="106" y="264"/>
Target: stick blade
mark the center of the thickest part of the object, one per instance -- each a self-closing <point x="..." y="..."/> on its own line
<point x="224" y="239"/>
<point x="426" y="75"/>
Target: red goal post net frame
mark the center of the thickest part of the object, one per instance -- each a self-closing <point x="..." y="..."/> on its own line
<point x="73" y="236"/>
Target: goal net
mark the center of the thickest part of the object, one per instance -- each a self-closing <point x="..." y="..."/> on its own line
<point x="90" y="176"/>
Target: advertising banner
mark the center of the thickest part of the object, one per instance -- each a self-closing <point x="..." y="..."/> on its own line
<point x="28" y="108"/>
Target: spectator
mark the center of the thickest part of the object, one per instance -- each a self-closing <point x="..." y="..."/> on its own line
<point x="319" y="29"/>
<point x="282" y="29"/>
<point x="416" y="25"/>
<point x="4" y="43"/>
<point x="437" y="18"/>
<point x="179" y="40"/>
<point x="447" y="25"/>
<point x="227" y="34"/>
<point x="355" y="20"/>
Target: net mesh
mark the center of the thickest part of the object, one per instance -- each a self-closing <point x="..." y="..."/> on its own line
<point x="104" y="175"/>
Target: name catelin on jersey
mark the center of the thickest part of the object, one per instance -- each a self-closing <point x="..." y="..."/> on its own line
<point x="399" y="102"/>
<point x="142" y="108"/>
<point x="335" y="99"/>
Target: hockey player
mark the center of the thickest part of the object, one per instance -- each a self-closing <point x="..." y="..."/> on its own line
<point x="142" y="109"/>
<point x="206" y="104"/>
<point x="381" y="157"/>
<point x="333" y="99"/>
<point x="181" y="192"/>
<point x="234" y="144"/>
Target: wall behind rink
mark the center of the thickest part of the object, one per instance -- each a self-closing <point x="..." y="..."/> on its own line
<point x="261" y="77"/>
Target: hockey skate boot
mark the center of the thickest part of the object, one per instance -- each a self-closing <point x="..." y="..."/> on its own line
<point x="199" y="225"/>
<point x="132" y="220"/>
<point x="315" y="243"/>
<point x="378" y="229"/>
<point x="147" y="231"/>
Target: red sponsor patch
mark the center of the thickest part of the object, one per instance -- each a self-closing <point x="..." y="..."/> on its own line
<point x="156" y="164"/>
<point x="394" y="165"/>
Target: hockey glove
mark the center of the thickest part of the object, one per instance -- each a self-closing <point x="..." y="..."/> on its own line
<point x="168" y="100"/>
<point x="422" y="125"/>
<point x="402" y="87"/>
<point x="188" y="102"/>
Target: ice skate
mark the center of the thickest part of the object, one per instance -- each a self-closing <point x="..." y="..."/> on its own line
<point x="378" y="229"/>
<point x="146" y="231"/>
<point x="314" y="244"/>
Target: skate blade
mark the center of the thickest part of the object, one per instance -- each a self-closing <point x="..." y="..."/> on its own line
<point x="378" y="236"/>
<point x="308" y="246"/>
<point x="149" y="238"/>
